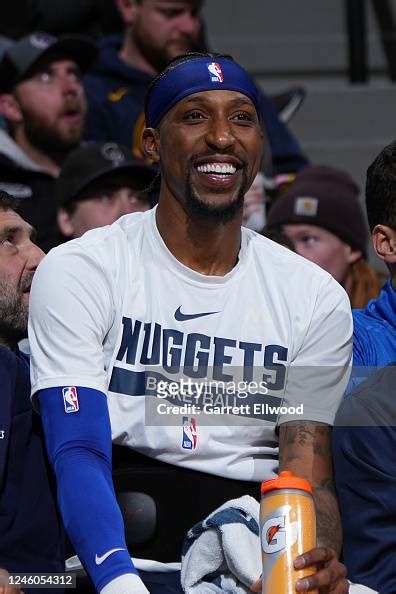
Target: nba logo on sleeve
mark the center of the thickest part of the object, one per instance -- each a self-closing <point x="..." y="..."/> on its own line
<point x="216" y="74"/>
<point x="70" y="399"/>
<point x="190" y="436"/>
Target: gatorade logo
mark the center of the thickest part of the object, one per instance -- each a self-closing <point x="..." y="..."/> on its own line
<point x="273" y="535"/>
<point x="277" y="534"/>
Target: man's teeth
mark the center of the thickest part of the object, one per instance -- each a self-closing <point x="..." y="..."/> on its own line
<point x="224" y="168"/>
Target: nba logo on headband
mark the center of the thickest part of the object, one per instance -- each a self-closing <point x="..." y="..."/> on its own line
<point x="216" y="74"/>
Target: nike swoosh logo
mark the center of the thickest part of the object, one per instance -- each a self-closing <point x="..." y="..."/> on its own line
<point x="181" y="317"/>
<point x="99" y="560"/>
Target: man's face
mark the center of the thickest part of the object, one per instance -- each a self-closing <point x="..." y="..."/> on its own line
<point x="52" y="106"/>
<point x="323" y="248"/>
<point x="210" y="148"/>
<point x="19" y="258"/>
<point x="163" y="29"/>
<point x="103" y="208"/>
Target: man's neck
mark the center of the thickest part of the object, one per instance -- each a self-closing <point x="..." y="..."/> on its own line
<point x="132" y="56"/>
<point x="45" y="162"/>
<point x="210" y="248"/>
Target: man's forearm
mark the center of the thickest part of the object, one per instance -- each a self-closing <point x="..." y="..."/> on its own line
<point x="305" y="449"/>
<point x="328" y="521"/>
<point x="79" y="448"/>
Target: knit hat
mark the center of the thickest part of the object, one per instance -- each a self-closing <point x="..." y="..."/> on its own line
<point x="325" y="197"/>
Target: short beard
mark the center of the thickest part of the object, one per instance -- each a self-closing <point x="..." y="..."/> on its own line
<point x="48" y="139"/>
<point x="13" y="314"/>
<point x="216" y="213"/>
<point x="158" y="58"/>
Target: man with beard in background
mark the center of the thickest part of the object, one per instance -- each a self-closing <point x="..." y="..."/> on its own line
<point x="43" y="102"/>
<point x="155" y="32"/>
<point x="31" y="533"/>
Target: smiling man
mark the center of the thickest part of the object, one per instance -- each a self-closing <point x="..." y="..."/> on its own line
<point x="184" y="293"/>
<point x="43" y="102"/>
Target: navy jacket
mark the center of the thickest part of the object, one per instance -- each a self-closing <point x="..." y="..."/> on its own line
<point x="116" y="92"/>
<point x="364" y="447"/>
<point x="31" y="533"/>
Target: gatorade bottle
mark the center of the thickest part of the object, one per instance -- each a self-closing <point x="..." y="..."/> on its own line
<point x="287" y="529"/>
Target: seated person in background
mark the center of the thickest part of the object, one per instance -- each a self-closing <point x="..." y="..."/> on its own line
<point x="31" y="533"/>
<point x="155" y="31"/>
<point x="43" y="102"/>
<point x="374" y="343"/>
<point x="98" y="183"/>
<point x="254" y="205"/>
<point x="321" y="214"/>
<point x="165" y="288"/>
<point x="364" y="446"/>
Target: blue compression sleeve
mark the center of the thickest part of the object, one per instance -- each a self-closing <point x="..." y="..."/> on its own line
<point x="79" y="447"/>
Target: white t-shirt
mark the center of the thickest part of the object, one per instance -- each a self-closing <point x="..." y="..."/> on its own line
<point x="117" y="312"/>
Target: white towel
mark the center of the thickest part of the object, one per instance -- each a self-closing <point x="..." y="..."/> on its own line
<point x="222" y="553"/>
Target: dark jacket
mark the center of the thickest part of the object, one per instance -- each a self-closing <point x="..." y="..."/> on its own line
<point x="116" y="92"/>
<point x="31" y="533"/>
<point x="22" y="178"/>
<point x="364" y="444"/>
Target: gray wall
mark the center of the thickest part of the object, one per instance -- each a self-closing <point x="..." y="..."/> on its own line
<point x="286" y="37"/>
<point x="285" y="42"/>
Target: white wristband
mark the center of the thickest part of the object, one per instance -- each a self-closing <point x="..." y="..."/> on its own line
<point x="129" y="583"/>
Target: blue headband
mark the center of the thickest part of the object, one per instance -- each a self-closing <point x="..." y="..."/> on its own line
<point x="194" y="76"/>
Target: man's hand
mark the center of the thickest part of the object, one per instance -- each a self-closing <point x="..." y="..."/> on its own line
<point x="330" y="577"/>
<point x="4" y="587"/>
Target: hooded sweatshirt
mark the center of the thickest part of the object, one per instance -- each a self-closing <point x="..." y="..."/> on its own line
<point x="24" y="179"/>
<point x="116" y="92"/>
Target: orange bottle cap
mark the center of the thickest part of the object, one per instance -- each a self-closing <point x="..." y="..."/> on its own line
<point x="286" y="480"/>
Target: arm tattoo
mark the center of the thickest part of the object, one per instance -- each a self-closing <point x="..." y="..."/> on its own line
<point x="328" y="523"/>
<point x="305" y="449"/>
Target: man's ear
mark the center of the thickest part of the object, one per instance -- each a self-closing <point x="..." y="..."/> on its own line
<point x="354" y="255"/>
<point x="384" y="242"/>
<point x="128" y="10"/>
<point x="65" y="223"/>
<point x="9" y="108"/>
<point x="151" y="144"/>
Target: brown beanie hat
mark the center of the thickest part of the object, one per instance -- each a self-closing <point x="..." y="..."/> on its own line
<point x="325" y="197"/>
